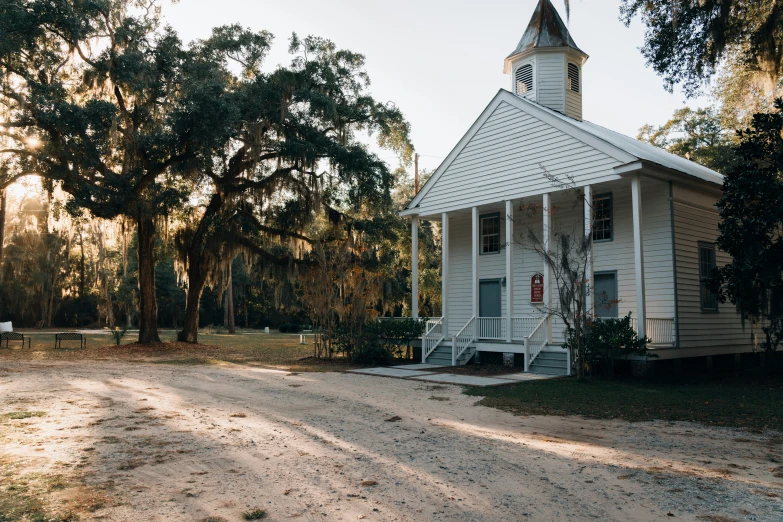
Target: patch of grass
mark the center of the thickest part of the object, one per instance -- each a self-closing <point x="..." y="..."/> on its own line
<point x="16" y="415"/>
<point x="748" y="402"/>
<point x="254" y="514"/>
<point x="23" y="497"/>
<point x="246" y="347"/>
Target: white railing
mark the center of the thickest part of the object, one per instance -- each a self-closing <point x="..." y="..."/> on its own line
<point x="433" y="335"/>
<point x="661" y="331"/>
<point x="402" y="318"/>
<point x="463" y="339"/>
<point x="492" y="328"/>
<point x="536" y="341"/>
<point x="523" y="326"/>
<point x="495" y="328"/>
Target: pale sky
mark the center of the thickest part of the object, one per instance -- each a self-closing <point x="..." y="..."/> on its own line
<point x="441" y="61"/>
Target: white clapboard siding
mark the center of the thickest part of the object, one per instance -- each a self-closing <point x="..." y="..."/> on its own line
<point x="574" y="103"/>
<point x="696" y="220"/>
<point x="615" y="255"/>
<point x="504" y="158"/>
<point x="551" y="81"/>
<point x="491" y="266"/>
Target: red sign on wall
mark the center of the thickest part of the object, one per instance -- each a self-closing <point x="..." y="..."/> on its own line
<point x="537" y="289"/>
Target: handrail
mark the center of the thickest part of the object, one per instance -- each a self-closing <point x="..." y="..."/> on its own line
<point x="430" y="339"/>
<point x="463" y="339"/>
<point x="521" y="325"/>
<point x="535" y="342"/>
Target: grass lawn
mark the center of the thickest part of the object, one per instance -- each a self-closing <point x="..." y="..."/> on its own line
<point x="745" y="401"/>
<point x="251" y="347"/>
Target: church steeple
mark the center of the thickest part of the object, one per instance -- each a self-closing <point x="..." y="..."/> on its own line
<point x="546" y="66"/>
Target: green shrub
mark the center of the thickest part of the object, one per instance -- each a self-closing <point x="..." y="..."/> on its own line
<point x="608" y="340"/>
<point x="396" y="335"/>
<point x="361" y="345"/>
<point x="377" y="342"/>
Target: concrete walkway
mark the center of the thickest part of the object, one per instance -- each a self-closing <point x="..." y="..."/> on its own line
<point x="420" y="372"/>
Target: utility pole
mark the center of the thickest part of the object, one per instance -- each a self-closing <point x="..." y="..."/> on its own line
<point x="416" y="175"/>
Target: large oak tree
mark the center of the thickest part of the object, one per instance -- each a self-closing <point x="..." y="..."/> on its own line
<point x="102" y="99"/>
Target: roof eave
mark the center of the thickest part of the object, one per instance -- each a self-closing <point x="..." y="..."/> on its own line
<point x="516" y="56"/>
<point x="661" y="173"/>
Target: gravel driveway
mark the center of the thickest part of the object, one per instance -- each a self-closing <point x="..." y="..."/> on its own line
<point x="184" y="442"/>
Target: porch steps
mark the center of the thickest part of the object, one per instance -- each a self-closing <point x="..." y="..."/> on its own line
<point x="442" y="355"/>
<point x="550" y="363"/>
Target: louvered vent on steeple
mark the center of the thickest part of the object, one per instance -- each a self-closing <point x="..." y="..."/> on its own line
<point x="524" y="78"/>
<point x="573" y="77"/>
<point x="546" y="65"/>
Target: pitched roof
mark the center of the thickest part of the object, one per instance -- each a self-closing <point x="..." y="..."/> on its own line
<point x="546" y="29"/>
<point x="641" y="150"/>
<point x="613" y="143"/>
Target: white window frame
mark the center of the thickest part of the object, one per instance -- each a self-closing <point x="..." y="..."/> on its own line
<point x="607" y="196"/>
<point x="482" y="219"/>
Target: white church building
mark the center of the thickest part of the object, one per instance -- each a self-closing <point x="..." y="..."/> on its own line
<point x="653" y="222"/>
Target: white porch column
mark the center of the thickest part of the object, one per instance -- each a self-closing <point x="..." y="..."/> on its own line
<point x="638" y="254"/>
<point x="547" y="231"/>
<point x="415" y="268"/>
<point x="475" y="268"/>
<point x="588" y="207"/>
<point x="444" y="293"/>
<point x="509" y="271"/>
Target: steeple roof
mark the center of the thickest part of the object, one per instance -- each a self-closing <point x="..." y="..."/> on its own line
<point x="546" y="29"/>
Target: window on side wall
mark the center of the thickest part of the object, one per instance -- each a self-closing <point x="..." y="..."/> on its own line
<point x="490" y="234"/>
<point x="709" y="299"/>
<point x="602" y="224"/>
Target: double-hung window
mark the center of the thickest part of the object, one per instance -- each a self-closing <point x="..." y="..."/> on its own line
<point x="709" y="300"/>
<point x="602" y="220"/>
<point x="490" y="234"/>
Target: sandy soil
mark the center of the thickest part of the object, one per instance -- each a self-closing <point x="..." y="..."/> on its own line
<point x="175" y="442"/>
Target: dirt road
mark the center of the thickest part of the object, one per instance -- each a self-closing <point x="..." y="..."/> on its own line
<point x="183" y="442"/>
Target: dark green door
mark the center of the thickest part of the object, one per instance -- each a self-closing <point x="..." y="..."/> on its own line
<point x="489" y="299"/>
<point x="605" y="292"/>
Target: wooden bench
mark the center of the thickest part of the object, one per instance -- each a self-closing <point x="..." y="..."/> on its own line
<point x="69" y="336"/>
<point x="13" y="336"/>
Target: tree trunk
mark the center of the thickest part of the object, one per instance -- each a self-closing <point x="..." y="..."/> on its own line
<point x="2" y="226"/>
<point x="148" y="307"/>
<point x="196" y="283"/>
<point x="105" y="305"/>
<point x="247" y="322"/>
<point x="225" y="308"/>
<point x="232" y="329"/>
<point x="82" y="275"/>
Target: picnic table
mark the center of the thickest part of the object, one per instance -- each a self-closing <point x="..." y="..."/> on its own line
<point x="13" y="336"/>
<point x="69" y="336"/>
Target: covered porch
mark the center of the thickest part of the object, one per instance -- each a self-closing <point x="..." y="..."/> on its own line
<point x="523" y="321"/>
